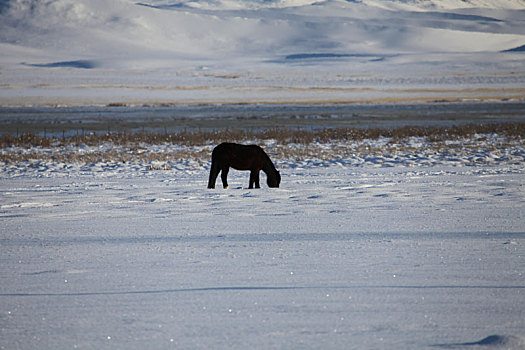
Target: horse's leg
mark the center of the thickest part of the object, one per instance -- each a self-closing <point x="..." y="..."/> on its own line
<point x="254" y="179"/>
<point x="224" y="176"/>
<point x="257" y="179"/>
<point x="214" y="172"/>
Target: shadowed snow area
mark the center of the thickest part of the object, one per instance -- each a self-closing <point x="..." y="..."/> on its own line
<point x="495" y="341"/>
<point x="66" y="64"/>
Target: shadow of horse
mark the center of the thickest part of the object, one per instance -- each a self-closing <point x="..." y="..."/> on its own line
<point x="242" y="157"/>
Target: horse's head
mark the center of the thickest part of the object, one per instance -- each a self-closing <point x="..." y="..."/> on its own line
<point x="274" y="180"/>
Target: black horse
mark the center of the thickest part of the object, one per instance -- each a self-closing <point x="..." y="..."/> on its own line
<point x="242" y="157"/>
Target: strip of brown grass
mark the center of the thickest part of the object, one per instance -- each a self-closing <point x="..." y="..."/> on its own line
<point x="113" y="155"/>
<point x="283" y="136"/>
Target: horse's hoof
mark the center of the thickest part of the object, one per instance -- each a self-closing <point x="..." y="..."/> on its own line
<point x="227" y="187"/>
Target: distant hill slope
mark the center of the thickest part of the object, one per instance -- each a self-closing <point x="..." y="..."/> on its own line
<point x="252" y="50"/>
<point x="43" y="32"/>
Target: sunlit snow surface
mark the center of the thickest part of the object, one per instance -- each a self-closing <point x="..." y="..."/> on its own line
<point x="338" y="257"/>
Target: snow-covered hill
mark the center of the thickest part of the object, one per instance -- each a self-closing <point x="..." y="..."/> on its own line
<point x="229" y="39"/>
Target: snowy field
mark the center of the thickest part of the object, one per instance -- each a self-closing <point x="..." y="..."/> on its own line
<point x="413" y="250"/>
<point x="367" y="244"/>
<point x="348" y="258"/>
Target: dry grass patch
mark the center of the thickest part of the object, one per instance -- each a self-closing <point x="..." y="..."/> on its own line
<point x="326" y="144"/>
<point x="281" y="135"/>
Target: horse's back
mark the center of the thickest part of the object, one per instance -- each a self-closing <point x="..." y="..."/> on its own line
<point x="237" y="149"/>
<point x="222" y="150"/>
<point x="241" y="157"/>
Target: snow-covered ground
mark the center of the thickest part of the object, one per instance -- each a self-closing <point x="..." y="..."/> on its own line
<point x="353" y="258"/>
<point x="407" y="250"/>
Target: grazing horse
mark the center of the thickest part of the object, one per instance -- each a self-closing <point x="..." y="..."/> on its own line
<point x="242" y="157"/>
